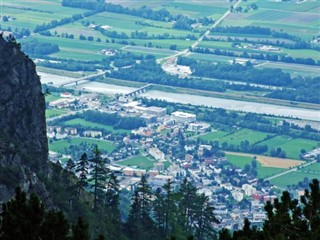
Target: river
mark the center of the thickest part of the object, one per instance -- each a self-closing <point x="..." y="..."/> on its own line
<point x="235" y="105"/>
<point x="111" y="89"/>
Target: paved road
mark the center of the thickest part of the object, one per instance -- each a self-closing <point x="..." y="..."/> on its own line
<point x="195" y="44"/>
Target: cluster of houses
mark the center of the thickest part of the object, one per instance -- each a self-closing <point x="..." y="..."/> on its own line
<point x="223" y="183"/>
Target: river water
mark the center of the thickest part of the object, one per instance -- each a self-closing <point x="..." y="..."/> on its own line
<point x="235" y="105"/>
<point x="229" y="104"/>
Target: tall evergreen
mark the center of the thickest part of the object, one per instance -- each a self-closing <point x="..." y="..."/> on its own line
<point x="140" y="224"/>
<point x="203" y="218"/>
<point x="99" y="175"/>
<point x="81" y="169"/>
<point x="80" y="230"/>
<point x="25" y="218"/>
<point x="112" y="197"/>
<point x="187" y="197"/>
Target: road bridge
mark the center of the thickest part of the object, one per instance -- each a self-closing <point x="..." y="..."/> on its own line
<point x="86" y="78"/>
<point x="139" y="90"/>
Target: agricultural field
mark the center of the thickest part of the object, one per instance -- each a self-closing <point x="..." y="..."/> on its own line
<point x="244" y="134"/>
<point x="29" y="14"/>
<point x="291" y="146"/>
<point x="78" y="121"/>
<point x="103" y="145"/>
<point x="298" y="19"/>
<point x="272" y="162"/>
<point x="213" y="135"/>
<point x="292" y="178"/>
<point x="313" y="168"/>
<point x="263" y="171"/>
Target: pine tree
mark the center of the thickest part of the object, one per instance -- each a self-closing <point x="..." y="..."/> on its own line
<point x="140" y="224"/>
<point x="99" y="175"/>
<point x="203" y="218"/>
<point x="311" y="210"/>
<point x="186" y="196"/>
<point x="165" y="210"/>
<point x="112" y="199"/>
<point x="81" y="169"/>
<point x="80" y="230"/>
<point x="55" y="226"/>
<point x="21" y="217"/>
<point x="26" y="218"/>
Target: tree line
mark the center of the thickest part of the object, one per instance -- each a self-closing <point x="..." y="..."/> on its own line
<point x="150" y="72"/>
<point x="55" y="23"/>
<point x="237" y="72"/>
<point x="35" y="47"/>
<point x="259" y="56"/>
<point x="161" y="214"/>
<point x="182" y="22"/>
<point x="256" y="30"/>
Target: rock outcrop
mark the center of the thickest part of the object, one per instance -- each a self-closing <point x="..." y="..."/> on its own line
<point x="23" y="141"/>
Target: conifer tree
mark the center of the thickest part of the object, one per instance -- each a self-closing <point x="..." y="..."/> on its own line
<point x="140" y="224"/>
<point x="203" y="218"/>
<point x="80" y="230"/>
<point x="25" y="218"/>
<point x="186" y="196"/>
<point x="81" y="169"/>
<point x="112" y="199"/>
<point x="55" y="226"/>
<point x="99" y="175"/>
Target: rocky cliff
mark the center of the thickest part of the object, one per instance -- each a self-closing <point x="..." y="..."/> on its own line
<point x="23" y="141"/>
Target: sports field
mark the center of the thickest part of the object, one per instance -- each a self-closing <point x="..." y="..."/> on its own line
<point x="139" y="161"/>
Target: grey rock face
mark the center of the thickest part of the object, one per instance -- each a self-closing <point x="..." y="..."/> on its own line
<point x="23" y="140"/>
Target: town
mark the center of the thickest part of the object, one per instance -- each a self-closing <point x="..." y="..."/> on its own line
<point x="165" y="147"/>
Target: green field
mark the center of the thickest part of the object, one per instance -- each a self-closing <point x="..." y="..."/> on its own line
<point x="313" y="168"/>
<point x="52" y="97"/>
<point x="213" y="135"/>
<point x="243" y="134"/>
<point x="291" y="146"/>
<point x="29" y="14"/>
<point x="78" y="121"/>
<point x="59" y="146"/>
<point x="292" y="178"/>
<point x="241" y="161"/>
<point x="139" y="161"/>
<point x="298" y="19"/>
<point x="54" y="112"/>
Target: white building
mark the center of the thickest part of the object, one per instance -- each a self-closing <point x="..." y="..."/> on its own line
<point x="157" y="154"/>
<point x="157" y="111"/>
<point x="238" y="196"/>
<point x="183" y="117"/>
<point x="248" y="189"/>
